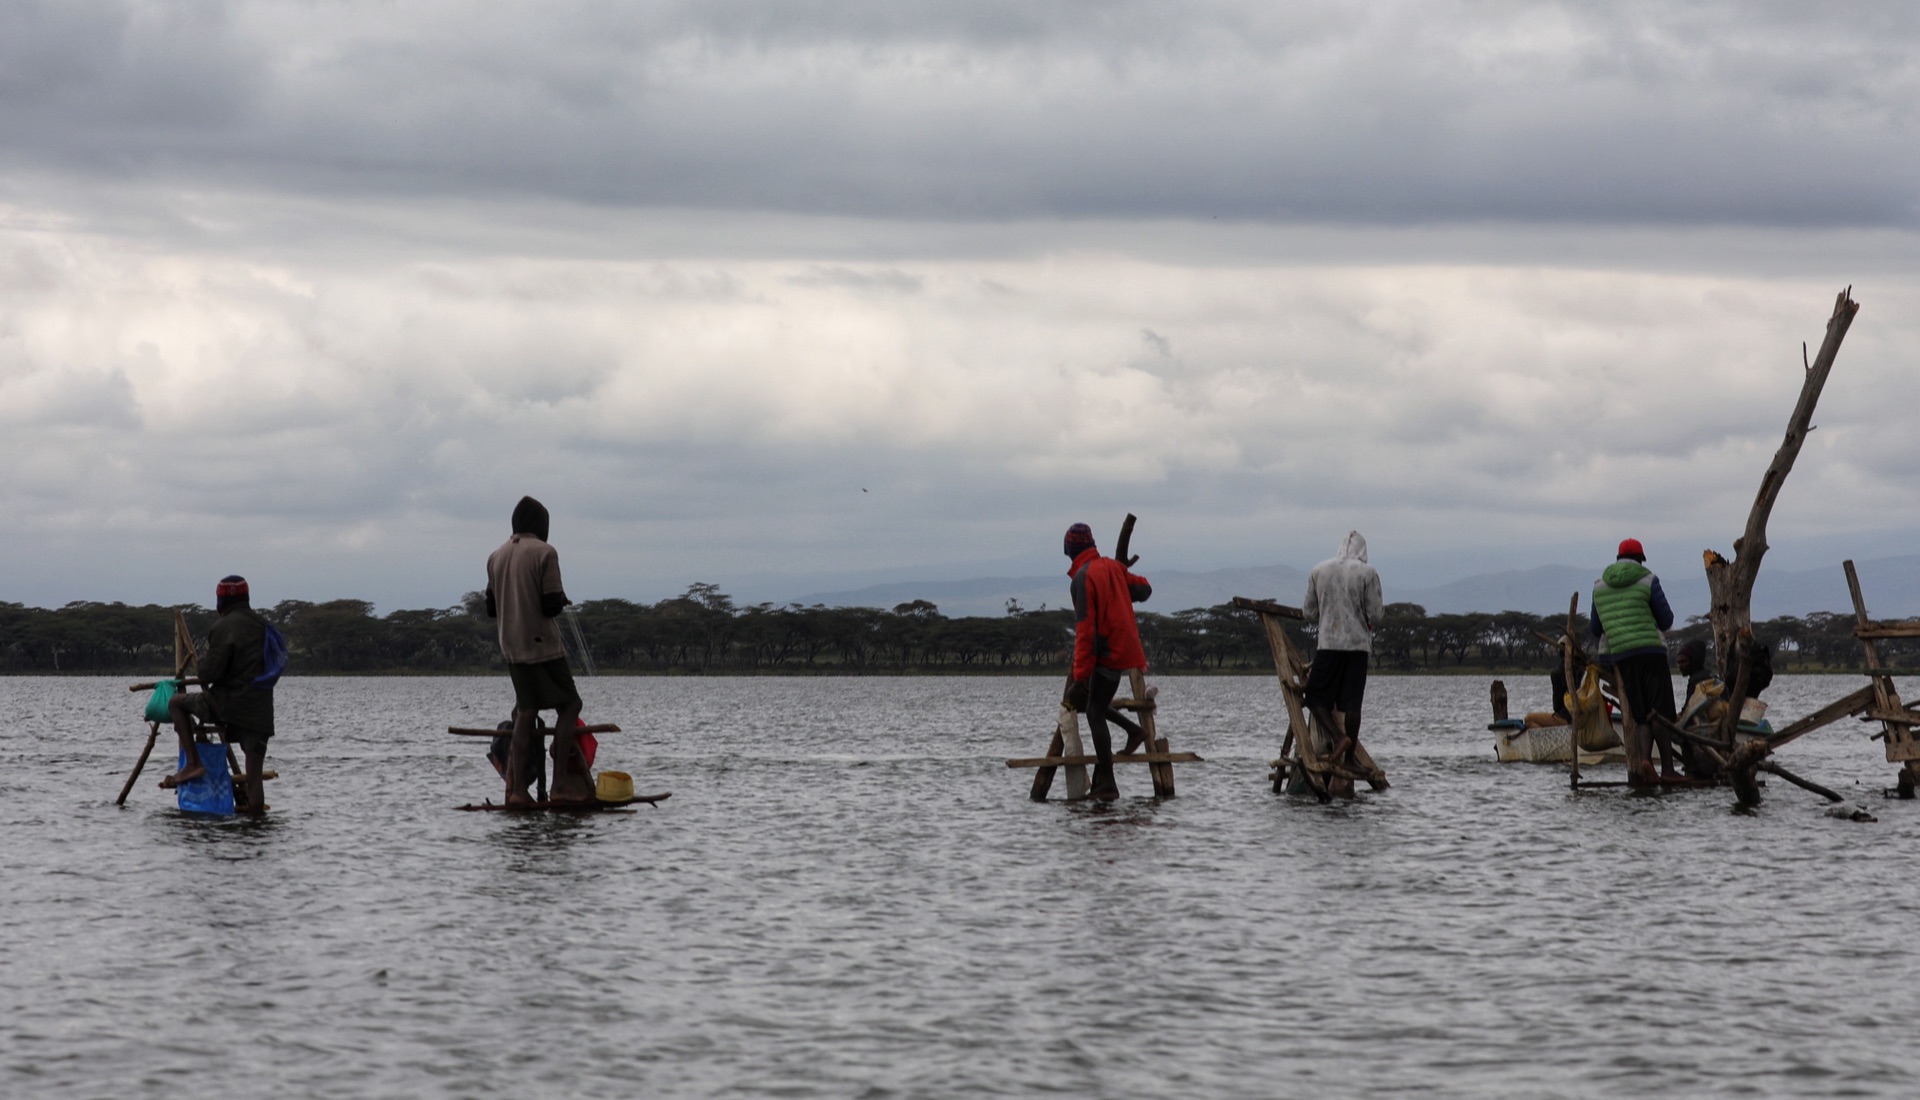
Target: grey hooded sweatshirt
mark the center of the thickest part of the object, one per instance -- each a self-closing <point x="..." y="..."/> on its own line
<point x="1343" y="596"/>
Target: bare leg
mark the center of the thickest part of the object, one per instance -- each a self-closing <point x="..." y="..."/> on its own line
<point x="183" y="725"/>
<point x="571" y="780"/>
<point x="520" y="757"/>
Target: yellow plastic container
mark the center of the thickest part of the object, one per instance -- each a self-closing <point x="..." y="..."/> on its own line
<point x="613" y="787"/>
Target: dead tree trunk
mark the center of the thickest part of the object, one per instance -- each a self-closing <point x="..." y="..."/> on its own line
<point x="1730" y="583"/>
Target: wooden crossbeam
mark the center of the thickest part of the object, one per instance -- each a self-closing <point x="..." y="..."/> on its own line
<point x="1904" y="628"/>
<point x="1268" y="607"/>
<point x="1857" y="703"/>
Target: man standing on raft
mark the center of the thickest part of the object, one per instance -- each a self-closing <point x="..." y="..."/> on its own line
<point x="1630" y="616"/>
<point x="236" y="658"/>
<point x="1343" y="596"/>
<point x="524" y="593"/>
<point x="1106" y="644"/>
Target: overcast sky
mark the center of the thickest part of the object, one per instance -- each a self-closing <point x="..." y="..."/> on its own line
<point x="786" y="295"/>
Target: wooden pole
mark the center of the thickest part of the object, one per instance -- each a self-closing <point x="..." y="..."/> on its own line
<point x="1126" y="537"/>
<point x="153" y="734"/>
<point x="1730" y="584"/>
<point x="1899" y="735"/>
<point x="1569" y="645"/>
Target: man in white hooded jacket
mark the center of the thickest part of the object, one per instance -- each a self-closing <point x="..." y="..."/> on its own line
<point x="1343" y="597"/>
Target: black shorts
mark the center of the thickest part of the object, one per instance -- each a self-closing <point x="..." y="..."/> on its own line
<point x="1647" y="681"/>
<point x="545" y="686"/>
<point x="1338" y="679"/>
<point x="201" y="706"/>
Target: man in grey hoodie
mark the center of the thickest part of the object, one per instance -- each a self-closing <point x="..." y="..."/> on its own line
<point x="1343" y="597"/>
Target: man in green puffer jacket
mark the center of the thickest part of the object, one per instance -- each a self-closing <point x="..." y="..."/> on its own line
<point x="1629" y="612"/>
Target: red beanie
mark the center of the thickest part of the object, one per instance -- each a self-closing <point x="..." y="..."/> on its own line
<point x="1630" y="548"/>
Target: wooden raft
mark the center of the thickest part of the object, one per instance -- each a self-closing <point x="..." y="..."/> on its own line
<point x="1303" y="764"/>
<point x="1066" y="749"/>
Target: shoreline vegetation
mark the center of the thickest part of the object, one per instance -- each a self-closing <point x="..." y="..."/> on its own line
<point x="703" y="632"/>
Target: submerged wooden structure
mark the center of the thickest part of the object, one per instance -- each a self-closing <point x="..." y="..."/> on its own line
<point x="1305" y="763"/>
<point x="185" y="658"/>
<point x="1725" y="756"/>
<point x="541" y="803"/>
<point x="1068" y="751"/>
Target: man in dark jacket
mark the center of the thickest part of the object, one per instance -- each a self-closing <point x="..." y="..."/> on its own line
<point x="1630" y="616"/>
<point x="524" y="593"/>
<point x="1106" y="644"/>
<point x="235" y="659"/>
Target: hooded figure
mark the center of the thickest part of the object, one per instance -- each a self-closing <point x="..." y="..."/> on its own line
<point x="1343" y="596"/>
<point x="530" y="518"/>
<point x="524" y="592"/>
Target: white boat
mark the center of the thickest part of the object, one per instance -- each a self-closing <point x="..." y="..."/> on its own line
<point x="1515" y="743"/>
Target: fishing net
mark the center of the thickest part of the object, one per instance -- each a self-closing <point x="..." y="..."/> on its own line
<point x="1589" y="709"/>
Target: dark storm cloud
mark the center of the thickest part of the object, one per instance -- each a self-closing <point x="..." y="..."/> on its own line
<point x="1386" y="113"/>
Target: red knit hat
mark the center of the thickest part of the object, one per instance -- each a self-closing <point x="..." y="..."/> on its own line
<point x="1630" y="548"/>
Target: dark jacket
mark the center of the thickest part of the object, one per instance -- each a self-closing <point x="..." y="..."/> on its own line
<point x="1105" y="634"/>
<point x="236" y="653"/>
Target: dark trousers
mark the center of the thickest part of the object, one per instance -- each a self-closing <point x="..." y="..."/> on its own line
<point x="1100" y="695"/>
<point x="1337" y="680"/>
<point x="1647" y="683"/>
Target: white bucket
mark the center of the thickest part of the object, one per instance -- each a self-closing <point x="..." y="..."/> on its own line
<point x="1753" y="710"/>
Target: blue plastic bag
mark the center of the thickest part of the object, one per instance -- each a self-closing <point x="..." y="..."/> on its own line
<point x="212" y="793"/>
<point x="273" y="651"/>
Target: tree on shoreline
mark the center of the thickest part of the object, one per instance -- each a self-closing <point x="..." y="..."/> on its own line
<point x="702" y="630"/>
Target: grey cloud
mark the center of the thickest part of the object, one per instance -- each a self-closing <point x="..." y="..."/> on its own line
<point x="887" y="279"/>
<point x="1396" y="114"/>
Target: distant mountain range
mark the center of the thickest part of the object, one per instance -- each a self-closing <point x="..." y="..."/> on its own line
<point x="1891" y="587"/>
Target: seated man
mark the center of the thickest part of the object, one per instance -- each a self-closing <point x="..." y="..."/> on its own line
<point x="231" y="697"/>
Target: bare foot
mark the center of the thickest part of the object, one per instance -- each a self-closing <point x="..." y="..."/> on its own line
<point x="185" y="776"/>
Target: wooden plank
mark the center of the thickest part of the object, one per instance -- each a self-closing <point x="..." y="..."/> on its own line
<point x="153" y="734"/>
<point x="1908" y="629"/>
<point x="191" y="681"/>
<point x="1268" y="607"/>
<point x="461" y="731"/>
<point x="1118" y="758"/>
<point x="1043" y="779"/>
<point x="1853" y="704"/>
<point x="1892" y="717"/>
<point x="1068" y="734"/>
<point x="595" y="807"/>
<point x="1899" y="751"/>
<point x="1161" y="772"/>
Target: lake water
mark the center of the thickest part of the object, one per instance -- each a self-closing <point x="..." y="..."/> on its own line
<point x="850" y="895"/>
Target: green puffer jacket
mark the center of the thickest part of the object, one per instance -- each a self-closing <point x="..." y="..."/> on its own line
<point x="1629" y="606"/>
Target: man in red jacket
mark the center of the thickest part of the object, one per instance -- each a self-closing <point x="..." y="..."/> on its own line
<point x="1106" y="643"/>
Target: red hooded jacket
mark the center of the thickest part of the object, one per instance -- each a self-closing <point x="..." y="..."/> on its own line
<point x="1105" y="634"/>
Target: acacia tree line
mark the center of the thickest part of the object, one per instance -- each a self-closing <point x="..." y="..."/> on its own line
<point x="703" y="631"/>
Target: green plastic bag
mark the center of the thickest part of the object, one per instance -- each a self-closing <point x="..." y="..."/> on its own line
<point x="161" y="699"/>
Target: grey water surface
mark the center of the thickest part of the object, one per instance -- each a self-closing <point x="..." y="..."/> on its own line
<point x="850" y="895"/>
